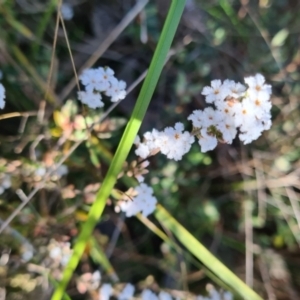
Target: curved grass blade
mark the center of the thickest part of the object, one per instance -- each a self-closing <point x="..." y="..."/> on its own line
<point x="126" y="142"/>
<point x="207" y="259"/>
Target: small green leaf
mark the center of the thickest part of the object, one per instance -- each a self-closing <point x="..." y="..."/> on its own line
<point x="279" y="38"/>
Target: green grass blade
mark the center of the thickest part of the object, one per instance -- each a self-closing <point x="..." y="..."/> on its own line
<point x="127" y="140"/>
<point x="208" y="260"/>
<point x="99" y="257"/>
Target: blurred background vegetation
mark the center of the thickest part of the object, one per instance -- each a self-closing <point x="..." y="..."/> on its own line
<point x="241" y="201"/>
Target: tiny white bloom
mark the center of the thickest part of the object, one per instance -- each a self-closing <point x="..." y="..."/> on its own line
<point x="259" y="106"/>
<point x="143" y="202"/>
<point x="148" y="295"/>
<point x="105" y="291"/>
<point x="226" y="107"/>
<point x="117" y="90"/>
<point x="90" y="79"/>
<point x="207" y="142"/>
<point x="258" y="88"/>
<point x="164" y="296"/>
<point x="105" y="78"/>
<point x="227" y="296"/>
<point x="197" y="118"/>
<point x="211" y="117"/>
<point x="6" y="182"/>
<point x="243" y="114"/>
<point x="40" y="171"/>
<point x="142" y="150"/>
<point x="215" y="92"/>
<point x="249" y="136"/>
<point x="228" y="129"/>
<point x="174" y="143"/>
<point x="130" y="207"/>
<point x="236" y="89"/>
<point x="2" y="96"/>
<point x="127" y="292"/>
<point x="91" y="99"/>
<point x="67" y="11"/>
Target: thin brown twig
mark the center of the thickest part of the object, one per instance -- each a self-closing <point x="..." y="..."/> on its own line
<point x="53" y="52"/>
<point x="266" y="279"/>
<point x="249" y="242"/>
<point x="295" y="204"/>
<point x="18" y="114"/>
<point x="69" y="49"/>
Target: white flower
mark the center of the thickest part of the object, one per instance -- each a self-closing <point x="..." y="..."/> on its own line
<point x="236" y="89"/>
<point x="164" y="296"/>
<point x="5" y="183"/>
<point x="259" y="106"/>
<point x="67" y="11"/>
<point x="227" y="296"/>
<point x="130" y="207"/>
<point x="143" y="150"/>
<point x="105" y="291"/>
<point x="127" y="292"/>
<point x="95" y="280"/>
<point x="250" y="135"/>
<point x="143" y="202"/>
<point x="106" y="79"/>
<point x="211" y="117"/>
<point x="197" y="118"/>
<point x="226" y="107"/>
<point x="91" y="99"/>
<point x="206" y="118"/>
<point x="258" y="88"/>
<point x="148" y="295"/>
<point x="215" y="295"/>
<point x="100" y="79"/>
<point x="228" y="129"/>
<point x="117" y="90"/>
<point x="216" y="92"/>
<point x="2" y="96"/>
<point x="90" y="79"/>
<point x="207" y="142"/>
<point x="174" y="142"/>
<point x="40" y="171"/>
<point x="60" y="251"/>
<point x="244" y="114"/>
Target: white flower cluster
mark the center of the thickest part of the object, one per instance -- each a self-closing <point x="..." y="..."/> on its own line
<point x="59" y="172"/>
<point x="143" y="202"/>
<point x="60" y="252"/>
<point x="92" y="282"/>
<point x="2" y="96"/>
<point x="236" y="108"/>
<point x="97" y="81"/>
<point x="106" y="291"/>
<point x="215" y="295"/>
<point x="173" y="142"/>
